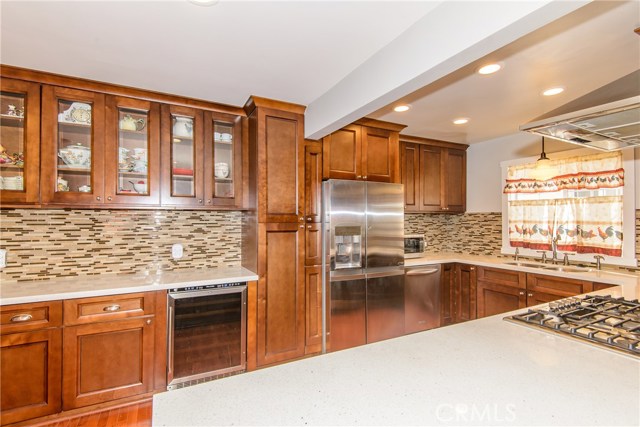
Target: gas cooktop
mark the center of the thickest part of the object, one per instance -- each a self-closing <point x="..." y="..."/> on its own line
<point x="613" y="323"/>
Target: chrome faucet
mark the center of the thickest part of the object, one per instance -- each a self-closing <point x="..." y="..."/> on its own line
<point x="598" y="259"/>
<point x="565" y="260"/>
<point x="516" y="254"/>
<point x="543" y="259"/>
<point x="554" y="250"/>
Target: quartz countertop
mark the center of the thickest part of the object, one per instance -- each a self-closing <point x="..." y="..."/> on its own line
<point x="110" y="284"/>
<point x="482" y="372"/>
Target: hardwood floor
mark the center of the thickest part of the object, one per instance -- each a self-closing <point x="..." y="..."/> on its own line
<point x="137" y="414"/>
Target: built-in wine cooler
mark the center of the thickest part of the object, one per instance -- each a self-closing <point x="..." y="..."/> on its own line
<point x="207" y="333"/>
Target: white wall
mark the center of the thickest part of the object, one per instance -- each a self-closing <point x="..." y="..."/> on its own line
<point x="484" y="189"/>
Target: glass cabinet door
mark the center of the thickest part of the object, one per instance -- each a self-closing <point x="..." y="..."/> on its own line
<point x="19" y="141"/>
<point x="223" y="172"/>
<point x="72" y="146"/>
<point x="12" y="141"/>
<point x="133" y="152"/>
<point x="182" y="156"/>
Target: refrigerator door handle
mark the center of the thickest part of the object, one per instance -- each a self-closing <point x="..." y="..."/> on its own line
<point x="422" y="272"/>
<point x="381" y="274"/>
<point x="345" y="277"/>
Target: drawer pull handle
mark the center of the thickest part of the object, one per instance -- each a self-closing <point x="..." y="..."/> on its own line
<point x="21" y="318"/>
<point x="111" y="308"/>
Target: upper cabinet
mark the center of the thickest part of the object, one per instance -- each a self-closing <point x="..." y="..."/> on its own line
<point x="434" y="175"/>
<point x="19" y="142"/>
<point x="72" y="146"/>
<point x="366" y="150"/>
<point x="68" y="142"/>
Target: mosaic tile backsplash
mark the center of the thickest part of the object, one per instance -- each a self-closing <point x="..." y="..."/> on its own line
<point x="43" y="244"/>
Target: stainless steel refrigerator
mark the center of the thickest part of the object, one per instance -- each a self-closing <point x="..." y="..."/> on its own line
<point x="363" y="243"/>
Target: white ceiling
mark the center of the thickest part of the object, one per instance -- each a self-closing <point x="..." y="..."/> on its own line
<point x="581" y="51"/>
<point x="304" y="51"/>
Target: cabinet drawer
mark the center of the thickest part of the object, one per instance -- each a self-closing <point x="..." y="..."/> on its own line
<point x="28" y="317"/>
<point x="559" y="286"/>
<point x="502" y="277"/>
<point x="102" y="309"/>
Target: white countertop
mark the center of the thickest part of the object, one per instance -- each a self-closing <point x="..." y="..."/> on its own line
<point x="111" y="284"/>
<point x="483" y="372"/>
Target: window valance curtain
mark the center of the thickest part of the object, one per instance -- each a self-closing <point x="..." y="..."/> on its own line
<point x="574" y="173"/>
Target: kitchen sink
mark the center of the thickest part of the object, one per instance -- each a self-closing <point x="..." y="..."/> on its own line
<point x="526" y="264"/>
<point x="565" y="268"/>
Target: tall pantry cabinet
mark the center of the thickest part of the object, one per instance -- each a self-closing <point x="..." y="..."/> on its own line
<point x="276" y="229"/>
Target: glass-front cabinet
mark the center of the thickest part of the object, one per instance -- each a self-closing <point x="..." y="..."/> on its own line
<point x="72" y="146"/>
<point x="222" y="159"/>
<point x="182" y="156"/>
<point x="132" y="151"/>
<point x="19" y="141"/>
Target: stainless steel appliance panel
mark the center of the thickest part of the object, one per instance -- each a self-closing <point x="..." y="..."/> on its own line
<point x="422" y="298"/>
<point x="385" y="305"/>
<point x="345" y="215"/>
<point x="348" y="315"/>
<point x="385" y="225"/>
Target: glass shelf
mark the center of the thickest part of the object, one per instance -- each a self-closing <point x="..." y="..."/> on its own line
<point x="12" y="141"/>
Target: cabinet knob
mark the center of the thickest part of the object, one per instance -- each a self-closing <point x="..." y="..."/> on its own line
<point x="359" y="177"/>
<point x="521" y="293"/>
<point x="301" y="218"/>
<point x="98" y="198"/>
<point x="472" y="268"/>
<point x="148" y="321"/>
<point x="208" y="202"/>
<point x="301" y="225"/>
<point x="308" y="226"/>
<point x="109" y="198"/>
<point x="309" y="219"/>
<point x="111" y="308"/>
<point x="529" y="295"/>
<point x="364" y="177"/>
<point x="200" y="201"/>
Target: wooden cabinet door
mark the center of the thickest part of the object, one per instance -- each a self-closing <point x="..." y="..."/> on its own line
<point x="535" y="298"/>
<point x="496" y="298"/>
<point x="280" y="166"/>
<point x="222" y="146"/>
<point x="380" y="155"/>
<point x="447" y="301"/>
<point x="182" y="156"/>
<point x="312" y="181"/>
<point x="132" y="152"/>
<point x="560" y="286"/>
<point x="465" y="295"/>
<point x="30" y="371"/>
<point x="455" y="179"/>
<point x="107" y="361"/>
<point x="61" y="182"/>
<point x="20" y="134"/>
<point x="281" y="293"/>
<point x="600" y="286"/>
<point x="313" y="311"/>
<point x="342" y="154"/>
<point x="431" y="163"/>
<point x="313" y="244"/>
<point x="410" y="167"/>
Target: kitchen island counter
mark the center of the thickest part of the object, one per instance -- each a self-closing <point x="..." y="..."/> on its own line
<point x="482" y="372"/>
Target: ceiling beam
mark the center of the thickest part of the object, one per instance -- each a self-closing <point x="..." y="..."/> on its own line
<point x="449" y="37"/>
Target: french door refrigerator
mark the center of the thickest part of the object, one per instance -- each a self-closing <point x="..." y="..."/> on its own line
<point x="363" y="262"/>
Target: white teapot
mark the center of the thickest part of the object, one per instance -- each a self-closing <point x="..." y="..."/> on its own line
<point x="183" y="127"/>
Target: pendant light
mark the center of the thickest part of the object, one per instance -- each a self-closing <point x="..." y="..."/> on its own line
<point x="543" y="169"/>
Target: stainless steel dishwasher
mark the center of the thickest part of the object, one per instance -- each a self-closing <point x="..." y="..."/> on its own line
<point x="421" y="298"/>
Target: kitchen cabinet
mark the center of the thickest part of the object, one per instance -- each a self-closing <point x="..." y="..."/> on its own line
<point x="73" y="149"/>
<point x="277" y="149"/>
<point x="30" y="361"/>
<point x="132" y="154"/>
<point x="366" y="150"/>
<point x="447" y="285"/>
<point x="108" y="348"/>
<point x="312" y="181"/>
<point x="434" y="175"/>
<point x="465" y="293"/>
<point x="281" y="293"/>
<point x="313" y="309"/>
<point x="19" y="142"/>
<point x="600" y="286"/>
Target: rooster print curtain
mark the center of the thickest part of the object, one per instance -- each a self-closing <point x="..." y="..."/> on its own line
<point x="585" y="225"/>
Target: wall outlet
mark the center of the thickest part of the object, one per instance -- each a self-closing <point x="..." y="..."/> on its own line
<point x="177" y="251"/>
<point x="3" y="258"/>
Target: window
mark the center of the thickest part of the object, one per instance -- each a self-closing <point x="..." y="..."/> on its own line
<point x="587" y="208"/>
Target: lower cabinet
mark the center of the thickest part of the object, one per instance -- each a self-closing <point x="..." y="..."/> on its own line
<point x="61" y="355"/>
<point x="457" y="293"/>
<point x="313" y="287"/>
<point x="447" y="284"/>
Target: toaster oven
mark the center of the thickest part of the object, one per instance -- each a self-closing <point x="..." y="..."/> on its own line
<point x="414" y="245"/>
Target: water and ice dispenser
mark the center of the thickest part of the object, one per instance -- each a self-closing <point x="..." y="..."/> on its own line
<point x="348" y="247"/>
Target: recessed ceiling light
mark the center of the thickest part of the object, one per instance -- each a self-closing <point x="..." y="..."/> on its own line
<point x="205" y="2"/>
<point x="489" y="68"/>
<point x="402" y="108"/>
<point x="553" y="91"/>
<point x="460" y="121"/>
